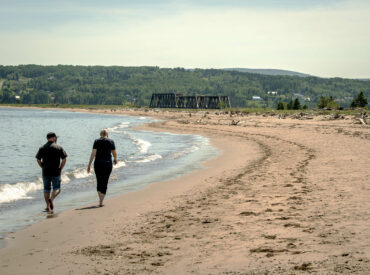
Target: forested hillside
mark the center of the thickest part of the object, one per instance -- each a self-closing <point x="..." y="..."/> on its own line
<point x="114" y="85"/>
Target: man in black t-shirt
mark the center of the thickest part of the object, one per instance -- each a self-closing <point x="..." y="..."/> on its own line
<point x="48" y="157"/>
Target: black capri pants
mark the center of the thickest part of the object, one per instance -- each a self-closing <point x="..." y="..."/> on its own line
<point x="102" y="173"/>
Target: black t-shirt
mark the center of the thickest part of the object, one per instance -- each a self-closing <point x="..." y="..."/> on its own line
<point x="50" y="154"/>
<point x="104" y="147"/>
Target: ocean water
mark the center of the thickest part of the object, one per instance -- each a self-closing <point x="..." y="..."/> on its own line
<point x="144" y="157"/>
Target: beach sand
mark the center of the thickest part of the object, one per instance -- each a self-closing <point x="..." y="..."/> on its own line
<point x="285" y="196"/>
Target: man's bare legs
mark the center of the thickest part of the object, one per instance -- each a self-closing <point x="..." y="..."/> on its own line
<point x="101" y="198"/>
<point x="49" y="200"/>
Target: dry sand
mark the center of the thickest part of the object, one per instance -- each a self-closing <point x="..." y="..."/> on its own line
<point x="285" y="196"/>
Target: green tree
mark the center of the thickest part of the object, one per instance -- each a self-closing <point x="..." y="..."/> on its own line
<point x="327" y="102"/>
<point x="323" y="102"/>
<point x="359" y="101"/>
<point x="280" y="106"/>
<point x="289" y="106"/>
<point x="296" y="104"/>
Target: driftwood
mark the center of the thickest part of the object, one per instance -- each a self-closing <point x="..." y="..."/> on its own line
<point x="235" y="122"/>
<point x="362" y="120"/>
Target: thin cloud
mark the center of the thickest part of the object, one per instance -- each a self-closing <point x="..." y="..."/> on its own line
<point x="322" y="41"/>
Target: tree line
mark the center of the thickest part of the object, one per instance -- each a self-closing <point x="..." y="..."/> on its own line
<point x="117" y="85"/>
<point x="360" y="101"/>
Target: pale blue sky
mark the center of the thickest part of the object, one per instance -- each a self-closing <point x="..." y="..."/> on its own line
<point x="325" y="38"/>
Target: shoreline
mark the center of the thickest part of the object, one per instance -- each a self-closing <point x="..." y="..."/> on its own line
<point x="277" y="200"/>
<point x="6" y="239"/>
<point x="25" y="237"/>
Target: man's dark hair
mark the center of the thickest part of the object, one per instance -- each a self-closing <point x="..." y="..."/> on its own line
<point x="50" y="135"/>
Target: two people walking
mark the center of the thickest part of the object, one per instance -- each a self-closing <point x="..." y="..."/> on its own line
<point x="52" y="158"/>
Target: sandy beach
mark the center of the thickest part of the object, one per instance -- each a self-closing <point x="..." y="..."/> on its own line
<point x="285" y="196"/>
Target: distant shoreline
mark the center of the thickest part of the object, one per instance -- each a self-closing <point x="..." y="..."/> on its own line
<point x="120" y="109"/>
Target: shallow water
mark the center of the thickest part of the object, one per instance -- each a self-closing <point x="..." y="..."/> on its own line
<point x="144" y="157"/>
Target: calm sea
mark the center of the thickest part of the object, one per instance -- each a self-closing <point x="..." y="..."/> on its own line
<point x="144" y="157"/>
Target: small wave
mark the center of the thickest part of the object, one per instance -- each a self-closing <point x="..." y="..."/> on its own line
<point x="120" y="164"/>
<point x="65" y="178"/>
<point x="149" y="158"/>
<point x="13" y="192"/>
<point x="78" y="173"/>
<point x="143" y="145"/>
<point x="142" y="117"/>
<point x="18" y="191"/>
<point x="186" y="151"/>
<point x="122" y="125"/>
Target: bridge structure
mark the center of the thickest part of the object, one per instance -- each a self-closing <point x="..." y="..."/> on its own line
<point x="172" y="100"/>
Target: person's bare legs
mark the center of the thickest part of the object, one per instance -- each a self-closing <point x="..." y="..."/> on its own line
<point x="101" y="198"/>
<point x="54" y="194"/>
<point x="47" y="200"/>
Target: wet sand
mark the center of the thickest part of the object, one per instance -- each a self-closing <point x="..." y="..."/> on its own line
<point x="285" y="196"/>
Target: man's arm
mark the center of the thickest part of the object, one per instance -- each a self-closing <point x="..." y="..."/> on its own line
<point x="62" y="164"/>
<point x="39" y="156"/>
<point x="92" y="156"/>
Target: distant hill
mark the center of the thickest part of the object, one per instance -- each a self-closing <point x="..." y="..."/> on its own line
<point x="268" y="71"/>
<point x="118" y="85"/>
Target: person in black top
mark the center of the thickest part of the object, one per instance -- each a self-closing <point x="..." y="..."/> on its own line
<point x="102" y="152"/>
<point x="48" y="157"/>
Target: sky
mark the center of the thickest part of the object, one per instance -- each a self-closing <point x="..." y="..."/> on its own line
<point x="326" y="38"/>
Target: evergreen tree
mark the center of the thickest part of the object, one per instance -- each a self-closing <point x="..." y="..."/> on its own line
<point x="296" y="104"/>
<point x="280" y="106"/>
<point x="289" y="106"/>
<point x="359" y="101"/>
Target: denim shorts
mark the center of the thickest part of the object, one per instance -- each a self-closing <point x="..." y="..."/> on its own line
<point x="48" y="181"/>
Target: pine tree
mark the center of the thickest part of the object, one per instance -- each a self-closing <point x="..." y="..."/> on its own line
<point x="296" y="104"/>
<point x="359" y="101"/>
<point x="289" y="106"/>
<point x="280" y="106"/>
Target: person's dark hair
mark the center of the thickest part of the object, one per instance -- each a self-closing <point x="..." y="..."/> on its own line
<point x="51" y="135"/>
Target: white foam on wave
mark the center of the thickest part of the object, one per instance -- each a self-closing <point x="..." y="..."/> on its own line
<point x="149" y="158"/>
<point x="21" y="190"/>
<point x="142" y="117"/>
<point x="65" y="178"/>
<point x="142" y="144"/>
<point x="119" y="164"/>
<point x="13" y="192"/>
<point x="79" y="173"/>
<point x="116" y="129"/>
